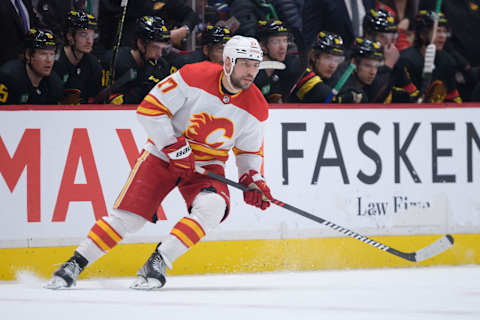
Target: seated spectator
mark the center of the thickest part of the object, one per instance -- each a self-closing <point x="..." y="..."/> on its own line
<point x="326" y="54"/>
<point x="213" y="41"/>
<point x="31" y="80"/>
<point x="379" y="25"/>
<point x="138" y="70"/>
<point x="275" y="84"/>
<point x="409" y="69"/>
<point x="367" y="56"/>
<point x="79" y="70"/>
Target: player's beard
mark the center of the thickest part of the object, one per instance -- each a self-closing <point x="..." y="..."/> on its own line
<point x="237" y="83"/>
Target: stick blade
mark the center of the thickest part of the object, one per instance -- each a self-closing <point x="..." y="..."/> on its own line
<point x="435" y="248"/>
<point x="270" y="64"/>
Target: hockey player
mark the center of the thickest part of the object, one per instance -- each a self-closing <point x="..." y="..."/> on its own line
<point x="32" y="80"/>
<point x="379" y="25"/>
<point x="409" y="69"/>
<point x="138" y="70"/>
<point x="78" y="68"/>
<point x="367" y="56"/>
<point x="326" y="55"/>
<point x="193" y="118"/>
<point x="213" y="41"/>
<point x="275" y="84"/>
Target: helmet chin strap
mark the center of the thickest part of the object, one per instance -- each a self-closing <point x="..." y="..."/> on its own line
<point x="228" y="74"/>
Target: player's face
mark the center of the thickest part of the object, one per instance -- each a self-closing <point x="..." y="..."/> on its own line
<point x="440" y="38"/>
<point x="367" y="70"/>
<point x="326" y="64"/>
<point x="154" y="49"/>
<point x="277" y="47"/>
<point x="386" y="38"/>
<point x="215" y="53"/>
<point x="244" y="73"/>
<point x="41" y="61"/>
<point x="84" y="40"/>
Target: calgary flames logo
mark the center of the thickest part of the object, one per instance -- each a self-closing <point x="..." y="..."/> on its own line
<point x="208" y="130"/>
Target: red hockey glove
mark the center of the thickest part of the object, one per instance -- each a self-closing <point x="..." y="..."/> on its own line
<point x="258" y="194"/>
<point x="182" y="162"/>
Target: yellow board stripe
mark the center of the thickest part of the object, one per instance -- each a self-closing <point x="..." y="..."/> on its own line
<point x="194" y="226"/>
<point x="98" y="241"/>
<point x="235" y="256"/>
<point x="130" y="178"/>
<point x="182" y="237"/>
<point x="108" y="230"/>
<point x="308" y="86"/>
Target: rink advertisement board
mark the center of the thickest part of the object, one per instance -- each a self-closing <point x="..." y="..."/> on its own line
<point x="396" y="171"/>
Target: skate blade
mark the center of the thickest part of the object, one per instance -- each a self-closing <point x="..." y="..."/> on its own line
<point x="146" y="284"/>
<point x="56" y="283"/>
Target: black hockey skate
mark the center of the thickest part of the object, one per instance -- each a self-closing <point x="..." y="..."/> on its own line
<point x="152" y="274"/>
<point x="66" y="276"/>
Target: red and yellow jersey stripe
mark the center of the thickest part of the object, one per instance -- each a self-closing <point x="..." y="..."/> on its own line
<point x="150" y="106"/>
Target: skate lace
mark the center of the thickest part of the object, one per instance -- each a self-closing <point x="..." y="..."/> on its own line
<point x="157" y="263"/>
<point x="72" y="269"/>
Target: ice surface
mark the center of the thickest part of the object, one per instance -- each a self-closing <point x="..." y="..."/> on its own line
<point x="379" y="294"/>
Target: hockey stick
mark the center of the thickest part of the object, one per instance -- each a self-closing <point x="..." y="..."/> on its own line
<point x="430" y="52"/>
<point x="111" y="76"/>
<point x="340" y="83"/>
<point x="271" y="64"/>
<point x="429" y="251"/>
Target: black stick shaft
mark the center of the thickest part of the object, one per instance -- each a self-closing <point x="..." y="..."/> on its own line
<point x="111" y="77"/>
<point x="347" y="232"/>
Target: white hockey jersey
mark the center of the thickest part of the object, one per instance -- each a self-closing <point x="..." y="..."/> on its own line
<point x="191" y="103"/>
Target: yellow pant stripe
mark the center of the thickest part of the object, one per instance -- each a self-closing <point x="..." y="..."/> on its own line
<point x="130" y="178"/>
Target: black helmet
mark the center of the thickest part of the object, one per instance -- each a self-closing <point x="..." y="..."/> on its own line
<point x="425" y="20"/>
<point x="152" y="28"/>
<point x="40" y="39"/>
<point x="364" y="48"/>
<point x="268" y="28"/>
<point x="379" y="21"/>
<point x="215" y="34"/>
<point x="80" y="20"/>
<point x="330" y="43"/>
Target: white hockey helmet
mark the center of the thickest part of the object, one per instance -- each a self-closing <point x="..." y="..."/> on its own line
<point x="241" y="47"/>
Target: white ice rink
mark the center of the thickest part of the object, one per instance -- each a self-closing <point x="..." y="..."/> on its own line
<point x="413" y="293"/>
